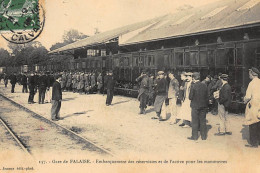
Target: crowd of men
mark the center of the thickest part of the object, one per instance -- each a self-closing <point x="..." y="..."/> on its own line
<point x="187" y="100"/>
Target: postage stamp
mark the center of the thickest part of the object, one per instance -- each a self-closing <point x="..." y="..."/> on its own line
<point x="21" y="21"/>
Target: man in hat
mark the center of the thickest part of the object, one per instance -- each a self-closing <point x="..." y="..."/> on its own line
<point x="31" y="85"/>
<point x="56" y="99"/>
<point x="252" y="113"/>
<point x="224" y="101"/>
<point x="143" y="91"/>
<point x="161" y="92"/>
<point x="172" y="95"/>
<point x="42" y="85"/>
<point x="199" y="103"/>
<point x="110" y="83"/>
<point x="185" y="110"/>
<point x="13" y="80"/>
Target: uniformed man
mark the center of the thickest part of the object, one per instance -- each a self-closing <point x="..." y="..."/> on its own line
<point x="143" y="91"/>
<point x="252" y="113"/>
<point x="31" y="85"/>
<point x="13" y="80"/>
<point x="42" y="85"/>
<point x="5" y="79"/>
<point x="99" y="83"/>
<point x="69" y="82"/>
<point x="110" y="83"/>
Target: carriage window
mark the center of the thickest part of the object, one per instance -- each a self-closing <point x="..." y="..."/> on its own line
<point x="83" y="64"/>
<point x="194" y="58"/>
<point x="146" y="61"/>
<point x="166" y="60"/>
<point x="135" y="61"/>
<point x="239" y="56"/>
<point x="98" y="64"/>
<point x="93" y="64"/>
<point x="116" y="62"/>
<point x="103" y="63"/>
<point x="211" y="54"/>
<point x="230" y="55"/>
<point x="126" y="61"/>
<point x="103" y="52"/>
<point x="141" y="61"/>
<point x="77" y="65"/>
<point x="187" y="58"/>
<point x="179" y="58"/>
<point x="221" y="58"/>
<point x="203" y="58"/>
<point x="150" y="60"/>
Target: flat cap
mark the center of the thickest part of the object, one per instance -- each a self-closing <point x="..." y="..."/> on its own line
<point x="224" y="76"/>
<point x="196" y="75"/>
<point x="254" y="71"/>
<point x="160" y="72"/>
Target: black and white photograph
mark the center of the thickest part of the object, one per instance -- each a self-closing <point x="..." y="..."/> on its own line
<point x="127" y="86"/>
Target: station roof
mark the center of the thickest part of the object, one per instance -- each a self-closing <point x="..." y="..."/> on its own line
<point x="107" y="36"/>
<point x="221" y="15"/>
<point x="214" y="17"/>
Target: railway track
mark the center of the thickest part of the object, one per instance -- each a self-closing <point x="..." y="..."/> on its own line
<point x="8" y="135"/>
<point x="37" y="133"/>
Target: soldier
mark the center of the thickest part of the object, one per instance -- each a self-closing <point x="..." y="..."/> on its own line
<point x="36" y="80"/>
<point x="63" y="81"/>
<point x="42" y="85"/>
<point x="31" y="85"/>
<point x="81" y="82"/>
<point x="24" y="83"/>
<point x="99" y="83"/>
<point x="93" y="82"/>
<point x="110" y="83"/>
<point x="69" y="82"/>
<point x="151" y="93"/>
<point x="13" y="80"/>
<point x="143" y="91"/>
<point x="5" y="79"/>
<point x="86" y="84"/>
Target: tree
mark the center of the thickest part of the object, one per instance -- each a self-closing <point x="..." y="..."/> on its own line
<point x="4" y="57"/>
<point x="72" y="36"/>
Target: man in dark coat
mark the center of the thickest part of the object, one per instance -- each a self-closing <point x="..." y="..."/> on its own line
<point x="110" y="83"/>
<point x="42" y="85"/>
<point x="24" y="83"/>
<point x="31" y="85"/>
<point x="224" y="101"/>
<point x="13" y="80"/>
<point x="5" y="79"/>
<point x="56" y="99"/>
<point x="199" y="103"/>
<point x="143" y="91"/>
<point x="161" y="92"/>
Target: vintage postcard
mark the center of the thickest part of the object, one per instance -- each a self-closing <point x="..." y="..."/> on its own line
<point x="127" y="86"/>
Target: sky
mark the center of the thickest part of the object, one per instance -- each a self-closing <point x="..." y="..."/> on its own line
<point x="86" y="15"/>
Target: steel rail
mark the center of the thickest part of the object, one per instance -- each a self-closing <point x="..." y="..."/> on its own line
<point x="57" y="125"/>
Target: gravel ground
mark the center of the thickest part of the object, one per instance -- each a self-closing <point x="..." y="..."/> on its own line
<point x="120" y="129"/>
<point x="41" y="137"/>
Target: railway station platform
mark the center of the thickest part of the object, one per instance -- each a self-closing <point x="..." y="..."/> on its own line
<point x="121" y="130"/>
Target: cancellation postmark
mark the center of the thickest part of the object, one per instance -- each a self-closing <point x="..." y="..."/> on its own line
<point x="21" y="21"/>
